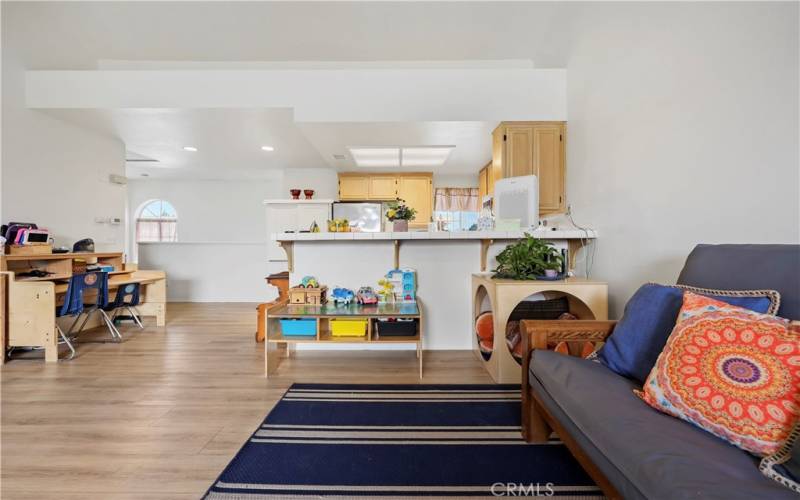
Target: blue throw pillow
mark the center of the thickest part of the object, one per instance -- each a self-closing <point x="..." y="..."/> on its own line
<point x="648" y="320"/>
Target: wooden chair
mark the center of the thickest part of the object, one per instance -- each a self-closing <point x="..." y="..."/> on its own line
<point x="281" y="282"/>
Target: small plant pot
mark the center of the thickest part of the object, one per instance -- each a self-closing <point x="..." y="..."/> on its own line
<point x="400" y="226"/>
<point x="551" y="273"/>
<point x="309" y="193"/>
<point x="295" y="194"/>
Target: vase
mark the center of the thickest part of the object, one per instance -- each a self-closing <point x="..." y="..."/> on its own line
<point x="295" y="194"/>
<point x="400" y="226"/>
<point x="309" y="193"/>
<point x="550" y="273"/>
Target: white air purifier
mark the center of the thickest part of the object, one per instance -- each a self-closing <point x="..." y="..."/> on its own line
<point x="517" y="198"/>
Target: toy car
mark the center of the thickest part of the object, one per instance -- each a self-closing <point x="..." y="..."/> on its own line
<point x="309" y="282"/>
<point x="342" y="296"/>
<point x="366" y="295"/>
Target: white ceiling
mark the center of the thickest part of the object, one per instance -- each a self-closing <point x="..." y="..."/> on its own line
<point x="229" y="141"/>
<point x="90" y="35"/>
<point x="472" y="141"/>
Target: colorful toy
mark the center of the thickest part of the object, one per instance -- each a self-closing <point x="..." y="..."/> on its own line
<point x="309" y="282"/>
<point x="342" y="296"/>
<point x="386" y="292"/>
<point x="366" y="295"/>
<point x="405" y="284"/>
<point x="308" y="295"/>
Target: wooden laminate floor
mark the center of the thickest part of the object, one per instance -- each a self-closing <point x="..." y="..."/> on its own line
<point x="159" y="416"/>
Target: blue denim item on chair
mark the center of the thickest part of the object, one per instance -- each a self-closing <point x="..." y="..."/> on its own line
<point x="648" y="320"/>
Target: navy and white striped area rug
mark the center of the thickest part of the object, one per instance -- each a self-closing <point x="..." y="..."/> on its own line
<point x="398" y="441"/>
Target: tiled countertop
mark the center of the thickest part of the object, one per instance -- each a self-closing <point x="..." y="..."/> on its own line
<point x="558" y="234"/>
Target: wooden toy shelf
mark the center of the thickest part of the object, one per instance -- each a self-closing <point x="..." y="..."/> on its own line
<point x="278" y="345"/>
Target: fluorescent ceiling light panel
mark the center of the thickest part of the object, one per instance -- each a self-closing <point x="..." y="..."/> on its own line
<point x="416" y="156"/>
<point x="376" y="157"/>
<point x="426" y="156"/>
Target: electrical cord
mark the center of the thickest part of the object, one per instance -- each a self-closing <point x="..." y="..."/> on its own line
<point x="588" y="258"/>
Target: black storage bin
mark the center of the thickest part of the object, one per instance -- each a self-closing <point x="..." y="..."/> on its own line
<point x="399" y="328"/>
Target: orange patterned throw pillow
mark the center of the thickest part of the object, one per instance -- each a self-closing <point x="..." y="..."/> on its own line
<point x="730" y="371"/>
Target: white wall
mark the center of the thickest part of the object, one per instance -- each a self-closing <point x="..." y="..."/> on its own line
<point x="683" y="129"/>
<point x="54" y="173"/>
<point x="323" y="181"/>
<point x="221" y="251"/>
<point x="458" y="181"/>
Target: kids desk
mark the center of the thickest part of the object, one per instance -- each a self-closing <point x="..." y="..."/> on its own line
<point x="31" y="302"/>
<point x="278" y="345"/>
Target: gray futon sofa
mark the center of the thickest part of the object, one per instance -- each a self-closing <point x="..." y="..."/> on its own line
<point x="631" y="450"/>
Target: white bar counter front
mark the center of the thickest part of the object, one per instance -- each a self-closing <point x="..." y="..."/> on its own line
<point x="444" y="262"/>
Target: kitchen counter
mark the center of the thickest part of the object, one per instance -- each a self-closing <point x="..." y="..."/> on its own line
<point x="557" y="234"/>
<point x="573" y="237"/>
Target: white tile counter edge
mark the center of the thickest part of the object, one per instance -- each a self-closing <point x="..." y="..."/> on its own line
<point x="559" y="234"/>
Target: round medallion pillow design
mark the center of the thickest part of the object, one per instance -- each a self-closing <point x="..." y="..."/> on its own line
<point x="730" y="371"/>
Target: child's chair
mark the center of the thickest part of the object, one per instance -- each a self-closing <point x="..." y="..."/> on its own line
<point x="128" y="297"/>
<point x="74" y="305"/>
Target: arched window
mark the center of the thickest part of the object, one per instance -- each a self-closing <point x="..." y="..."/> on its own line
<point x="157" y="221"/>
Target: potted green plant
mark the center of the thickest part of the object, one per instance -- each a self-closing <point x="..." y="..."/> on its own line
<point x="528" y="259"/>
<point x="399" y="214"/>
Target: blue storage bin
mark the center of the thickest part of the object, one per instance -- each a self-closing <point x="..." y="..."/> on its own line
<point x="299" y="326"/>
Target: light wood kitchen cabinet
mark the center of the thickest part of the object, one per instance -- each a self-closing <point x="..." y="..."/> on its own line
<point x="483" y="182"/>
<point x="417" y="191"/>
<point x="363" y="187"/>
<point x="533" y="148"/>
<point x="486" y="178"/>
<point x="415" y="188"/>
<point x="382" y="187"/>
<point x="353" y="187"/>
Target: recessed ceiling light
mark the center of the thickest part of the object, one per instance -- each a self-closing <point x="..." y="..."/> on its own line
<point x="145" y="175"/>
<point x="190" y="148"/>
<point x="267" y="148"/>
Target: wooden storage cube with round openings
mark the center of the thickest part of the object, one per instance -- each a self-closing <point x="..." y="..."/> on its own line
<point x="498" y="304"/>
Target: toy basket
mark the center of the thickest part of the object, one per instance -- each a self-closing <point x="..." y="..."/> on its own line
<point x="348" y="327"/>
<point x="306" y="327"/>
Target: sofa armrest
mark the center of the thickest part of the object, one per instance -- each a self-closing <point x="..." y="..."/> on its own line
<point x="538" y="334"/>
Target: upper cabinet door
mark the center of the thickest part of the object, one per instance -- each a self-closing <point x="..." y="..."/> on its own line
<point x="483" y="181"/>
<point x="548" y="166"/>
<point x="382" y="187"/>
<point x="353" y="187"/>
<point x="519" y="151"/>
<point x="417" y="192"/>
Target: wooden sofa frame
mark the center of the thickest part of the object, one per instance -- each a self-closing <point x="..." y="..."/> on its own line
<point x="537" y="422"/>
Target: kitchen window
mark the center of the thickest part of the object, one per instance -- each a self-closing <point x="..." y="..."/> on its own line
<point x="457" y="208"/>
